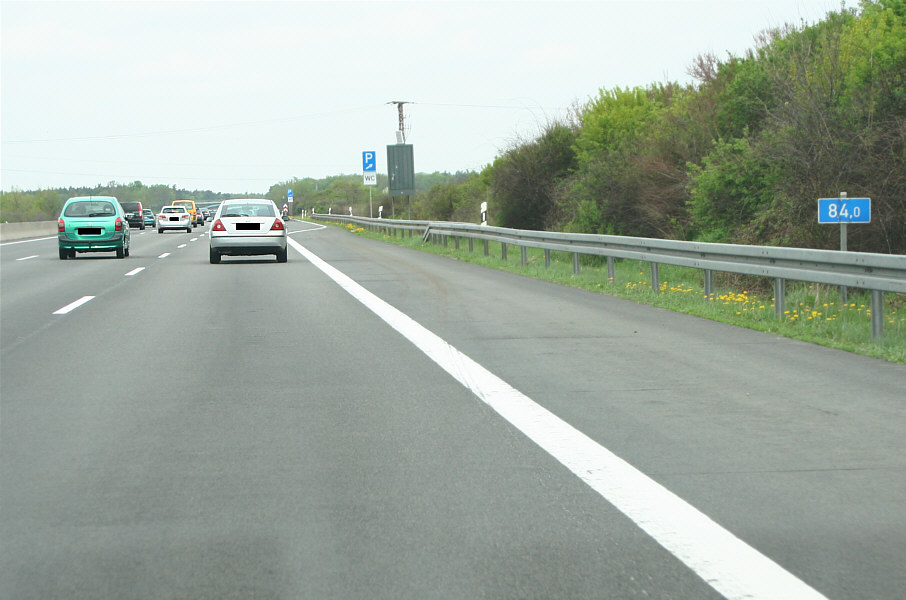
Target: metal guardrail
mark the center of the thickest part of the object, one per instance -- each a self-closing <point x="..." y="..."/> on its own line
<point x="875" y="272"/>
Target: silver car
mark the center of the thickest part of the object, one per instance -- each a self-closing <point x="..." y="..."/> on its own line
<point x="174" y="217"/>
<point x="247" y="227"/>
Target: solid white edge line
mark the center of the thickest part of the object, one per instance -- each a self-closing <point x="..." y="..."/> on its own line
<point x="164" y="255"/>
<point x="135" y="271"/>
<point x="73" y="305"/>
<point x="28" y="241"/>
<point x="725" y="562"/>
<point x="27" y="257"/>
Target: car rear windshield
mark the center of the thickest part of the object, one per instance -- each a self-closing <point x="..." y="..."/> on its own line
<point x="174" y="209"/>
<point x="248" y="210"/>
<point x="90" y="208"/>
<point x="131" y="206"/>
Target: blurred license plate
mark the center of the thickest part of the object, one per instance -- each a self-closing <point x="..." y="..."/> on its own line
<point x="174" y="218"/>
<point x="89" y="231"/>
<point x="248" y="227"/>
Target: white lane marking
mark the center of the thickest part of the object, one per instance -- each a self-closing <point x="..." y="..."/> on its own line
<point x="164" y="255"/>
<point x="135" y="271"/>
<point x="73" y="305"/>
<point x="315" y="227"/>
<point x="194" y="239"/>
<point x="724" y="561"/>
<point x="181" y="246"/>
<point x="28" y="257"/>
<point x="28" y="241"/>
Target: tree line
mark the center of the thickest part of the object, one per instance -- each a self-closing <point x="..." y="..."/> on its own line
<point x="45" y="205"/>
<point x="740" y="156"/>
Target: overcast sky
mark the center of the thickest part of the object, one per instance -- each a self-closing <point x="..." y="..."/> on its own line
<point x="238" y="96"/>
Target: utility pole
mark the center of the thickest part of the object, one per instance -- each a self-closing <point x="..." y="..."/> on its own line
<point x="399" y="106"/>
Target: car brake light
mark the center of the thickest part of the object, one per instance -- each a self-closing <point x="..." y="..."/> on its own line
<point x="277" y="226"/>
<point x="218" y="226"/>
<point x="119" y="224"/>
<point x="61" y="226"/>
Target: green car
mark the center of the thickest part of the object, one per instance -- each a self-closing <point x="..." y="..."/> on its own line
<point x="93" y="224"/>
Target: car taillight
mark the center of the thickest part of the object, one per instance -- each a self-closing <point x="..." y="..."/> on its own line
<point x="218" y="226"/>
<point x="61" y="226"/>
<point x="277" y="226"/>
<point x="119" y="224"/>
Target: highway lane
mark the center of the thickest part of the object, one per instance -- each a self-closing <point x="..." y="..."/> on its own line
<point x="339" y="461"/>
<point x="35" y="282"/>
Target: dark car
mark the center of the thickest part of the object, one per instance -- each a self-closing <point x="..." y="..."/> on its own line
<point x="134" y="214"/>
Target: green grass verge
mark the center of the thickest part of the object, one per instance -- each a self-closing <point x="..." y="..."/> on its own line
<point x="813" y="312"/>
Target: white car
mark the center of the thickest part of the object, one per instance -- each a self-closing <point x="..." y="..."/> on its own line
<point x="174" y="217"/>
<point x="247" y="227"/>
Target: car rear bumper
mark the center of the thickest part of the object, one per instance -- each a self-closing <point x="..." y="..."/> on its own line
<point x="248" y="245"/>
<point x="111" y="243"/>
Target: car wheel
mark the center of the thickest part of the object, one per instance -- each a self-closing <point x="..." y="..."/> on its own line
<point x="126" y="251"/>
<point x="188" y="230"/>
<point x="64" y="253"/>
<point x="281" y="256"/>
<point x="215" y="257"/>
<point x="121" y="252"/>
<point x="160" y="230"/>
<point x="142" y="227"/>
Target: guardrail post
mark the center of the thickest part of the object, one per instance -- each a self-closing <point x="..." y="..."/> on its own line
<point x="471" y="246"/>
<point x="575" y="263"/>
<point x="503" y="251"/>
<point x="709" y="284"/>
<point x="656" y="277"/>
<point x="524" y="256"/>
<point x="779" y="297"/>
<point x="611" y="272"/>
<point x="456" y="241"/>
<point x="487" y="248"/>
<point x="445" y="241"/>
<point x="877" y="315"/>
<point x="547" y="257"/>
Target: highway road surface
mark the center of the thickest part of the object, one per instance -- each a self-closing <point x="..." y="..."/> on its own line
<point x="369" y="422"/>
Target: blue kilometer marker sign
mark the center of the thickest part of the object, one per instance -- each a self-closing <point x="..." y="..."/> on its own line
<point x="844" y="210"/>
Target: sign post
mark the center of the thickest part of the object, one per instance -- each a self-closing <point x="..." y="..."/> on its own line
<point x="289" y="200"/>
<point x="844" y="210"/>
<point x="369" y="175"/>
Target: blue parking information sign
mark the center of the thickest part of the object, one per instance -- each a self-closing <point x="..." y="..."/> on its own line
<point x="369" y="161"/>
<point x="844" y="210"/>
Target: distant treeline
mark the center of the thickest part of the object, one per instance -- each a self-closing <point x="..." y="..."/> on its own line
<point x="45" y="205"/>
<point x="741" y="156"/>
